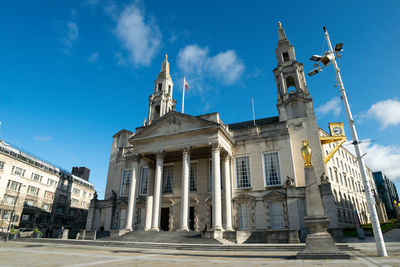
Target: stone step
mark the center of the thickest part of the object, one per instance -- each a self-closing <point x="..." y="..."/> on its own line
<point x="176" y="246"/>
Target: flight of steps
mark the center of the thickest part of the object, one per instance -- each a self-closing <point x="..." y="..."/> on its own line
<point x="165" y="237"/>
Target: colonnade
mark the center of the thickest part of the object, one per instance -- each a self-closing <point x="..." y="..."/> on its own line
<point x="154" y="192"/>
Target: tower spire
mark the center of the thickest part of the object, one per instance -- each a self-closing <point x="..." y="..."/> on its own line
<point x="281" y="33"/>
<point x="164" y="73"/>
<point x="161" y="101"/>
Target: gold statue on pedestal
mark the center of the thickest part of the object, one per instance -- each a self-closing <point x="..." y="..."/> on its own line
<point x="306" y="152"/>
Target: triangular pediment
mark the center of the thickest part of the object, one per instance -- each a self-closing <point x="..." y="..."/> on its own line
<point x="274" y="195"/>
<point x="173" y="122"/>
<point x="243" y="196"/>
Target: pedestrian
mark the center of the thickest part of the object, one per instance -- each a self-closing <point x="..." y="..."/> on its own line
<point x="204" y="231"/>
<point x="61" y="231"/>
<point x="51" y="232"/>
<point x="46" y="234"/>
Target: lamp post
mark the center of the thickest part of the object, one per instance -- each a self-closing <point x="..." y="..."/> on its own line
<point x="12" y="214"/>
<point x="330" y="57"/>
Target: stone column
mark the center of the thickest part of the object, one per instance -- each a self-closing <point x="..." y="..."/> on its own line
<point x="132" y="193"/>
<point x="319" y="244"/>
<point x="216" y="190"/>
<point x="155" y="225"/>
<point x="228" y="196"/>
<point x="149" y="199"/>
<point x="185" y="189"/>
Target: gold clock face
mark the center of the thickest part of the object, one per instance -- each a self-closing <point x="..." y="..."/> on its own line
<point x="337" y="130"/>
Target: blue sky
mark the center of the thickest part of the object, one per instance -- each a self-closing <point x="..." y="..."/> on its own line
<point x="73" y="73"/>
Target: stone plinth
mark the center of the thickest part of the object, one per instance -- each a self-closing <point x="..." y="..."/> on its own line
<point x="319" y="244"/>
<point x="214" y="234"/>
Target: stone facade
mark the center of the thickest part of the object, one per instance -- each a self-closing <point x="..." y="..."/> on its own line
<point x="347" y="187"/>
<point x="246" y="180"/>
<point x="43" y="194"/>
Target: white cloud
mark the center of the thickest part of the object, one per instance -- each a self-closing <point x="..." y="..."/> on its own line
<point x="379" y="157"/>
<point x="72" y="33"/>
<point x="384" y="158"/>
<point x="93" y="57"/>
<point x="140" y="37"/>
<point x="43" y="138"/>
<point x="332" y="106"/>
<point x="226" y="67"/>
<point x="192" y="58"/>
<point x="386" y="112"/>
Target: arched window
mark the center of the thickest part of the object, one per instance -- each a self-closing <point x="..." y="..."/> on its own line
<point x="330" y="172"/>
<point x="291" y="85"/>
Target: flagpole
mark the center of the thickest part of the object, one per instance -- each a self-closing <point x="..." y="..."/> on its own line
<point x="183" y="95"/>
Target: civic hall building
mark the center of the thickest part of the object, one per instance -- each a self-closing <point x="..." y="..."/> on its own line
<point x="186" y="173"/>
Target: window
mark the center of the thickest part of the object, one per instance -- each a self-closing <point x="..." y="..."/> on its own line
<point x="272" y="173"/>
<point x="46" y="207"/>
<point x="76" y="191"/>
<point x="30" y="203"/>
<point x="9" y="200"/>
<point x="243" y="172"/>
<point x="126" y="181"/>
<point x="18" y="171"/>
<point x="193" y="177"/>
<point x="74" y="202"/>
<point x="276" y="214"/>
<point x="82" y="204"/>
<point x="52" y="183"/>
<point x="60" y="210"/>
<point x="36" y="177"/>
<point x="141" y="219"/>
<point x="6" y="214"/>
<point x="244" y="216"/>
<point x="1" y="165"/>
<point x="84" y="194"/>
<point x="49" y="195"/>
<point x="34" y="191"/>
<point x="330" y="172"/>
<point x="144" y="179"/>
<point x="15" y="218"/>
<point x="159" y="87"/>
<point x="14" y="185"/>
<point x="62" y="199"/>
<point x="167" y="179"/>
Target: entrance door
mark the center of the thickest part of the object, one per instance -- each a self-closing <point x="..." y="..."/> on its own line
<point x="191" y="219"/>
<point x="164" y="223"/>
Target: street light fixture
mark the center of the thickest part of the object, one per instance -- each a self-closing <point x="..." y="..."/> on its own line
<point x="330" y="58"/>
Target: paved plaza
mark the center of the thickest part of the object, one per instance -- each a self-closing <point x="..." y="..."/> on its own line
<point x="46" y="254"/>
<point x="64" y="253"/>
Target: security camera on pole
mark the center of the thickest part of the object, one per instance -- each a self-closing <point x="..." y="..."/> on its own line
<point x="330" y="57"/>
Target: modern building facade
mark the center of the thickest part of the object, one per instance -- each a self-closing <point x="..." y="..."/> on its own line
<point x="387" y="192"/>
<point x="347" y="186"/>
<point x="179" y="172"/>
<point x="39" y="193"/>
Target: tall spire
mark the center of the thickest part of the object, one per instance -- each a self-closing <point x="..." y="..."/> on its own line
<point x="164" y="73"/>
<point x="281" y="33"/>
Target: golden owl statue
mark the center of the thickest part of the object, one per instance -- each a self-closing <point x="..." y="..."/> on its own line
<point x="306" y="152"/>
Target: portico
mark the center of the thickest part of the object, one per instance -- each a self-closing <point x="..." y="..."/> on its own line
<point x="190" y="142"/>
